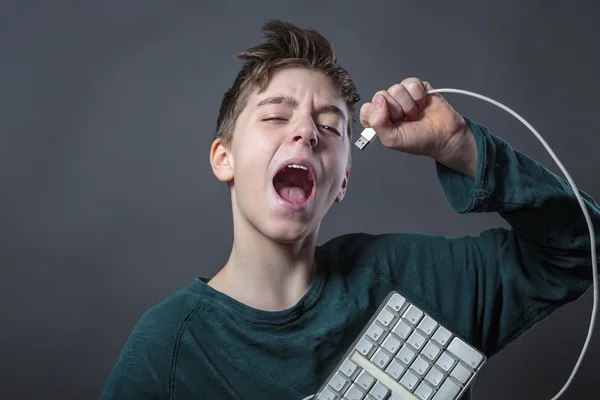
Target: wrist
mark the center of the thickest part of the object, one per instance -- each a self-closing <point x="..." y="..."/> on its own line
<point x="460" y="152"/>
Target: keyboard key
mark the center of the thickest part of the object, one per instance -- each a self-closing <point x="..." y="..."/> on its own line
<point x="435" y="377"/>
<point x="445" y="362"/>
<point x="386" y="318"/>
<point x="382" y="377"/>
<point x="354" y="393"/>
<point x="442" y="336"/>
<point x="412" y="314"/>
<point x="391" y="344"/>
<point x="395" y="369"/>
<point x="365" y="347"/>
<point x="461" y="373"/>
<point x="379" y="391"/>
<point x="465" y="352"/>
<point x="381" y="358"/>
<point x="416" y="340"/>
<point x="327" y="394"/>
<point x="375" y="332"/>
<point x="424" y="391"/>
<point x="409" y="380"/>
<point x="406" y="355"/>
<point x="402" y="329"/>
<point x="349" y="369"/>
<point x="420" y="366"/>
<point x="431" y="351"/>
<point x="365" y="380"/>
<point x="449" y="390"/>
<point x="396" y="302"/>
<point x="338" y="383"/>
<point x="427" y="325"/>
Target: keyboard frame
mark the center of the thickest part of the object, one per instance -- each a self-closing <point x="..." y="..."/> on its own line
<point x="348" y="353"/>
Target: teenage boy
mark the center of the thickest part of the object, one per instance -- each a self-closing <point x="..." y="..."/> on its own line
<point x="274" y="321"/>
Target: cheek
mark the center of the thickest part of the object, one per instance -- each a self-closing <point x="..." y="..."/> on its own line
<point x="252" y="163"/>
<point x="339" y="162"/>
<point x="337" y="171"/>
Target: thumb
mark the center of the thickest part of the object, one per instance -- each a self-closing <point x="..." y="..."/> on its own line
<point x="379" y="119"/>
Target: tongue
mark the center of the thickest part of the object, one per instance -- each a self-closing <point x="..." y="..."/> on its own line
<point x="293" y="194"/>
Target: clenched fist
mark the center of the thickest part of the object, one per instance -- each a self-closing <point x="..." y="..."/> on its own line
<point x="407" y="119"/>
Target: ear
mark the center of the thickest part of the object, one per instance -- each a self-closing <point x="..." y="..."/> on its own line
<point x="221" y="161"/>
<point x="342" y="191"/>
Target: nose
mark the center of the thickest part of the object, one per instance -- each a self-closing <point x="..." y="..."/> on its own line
<point x="306" y="132"/>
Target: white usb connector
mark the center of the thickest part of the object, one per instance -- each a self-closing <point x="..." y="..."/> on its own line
<point x="367" y="136"/>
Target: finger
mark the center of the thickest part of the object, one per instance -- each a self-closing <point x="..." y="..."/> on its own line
<point x="427" y="86"/>
<point x="377" y="114"/>
<point x="404" y="98"/>
<point x="366" y="110"/>
<point x="396" y="110"/>
<point x="418" y="90"/>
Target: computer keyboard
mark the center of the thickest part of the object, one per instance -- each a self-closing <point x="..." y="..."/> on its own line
<point x="402" y="353"/>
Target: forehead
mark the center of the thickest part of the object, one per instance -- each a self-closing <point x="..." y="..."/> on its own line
<point x="304" y="85"/>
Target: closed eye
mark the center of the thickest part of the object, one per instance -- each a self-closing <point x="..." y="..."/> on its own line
<point x="276" y="121"/>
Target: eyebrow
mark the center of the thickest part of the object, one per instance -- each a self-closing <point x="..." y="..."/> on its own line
<point x="291" y="102"/>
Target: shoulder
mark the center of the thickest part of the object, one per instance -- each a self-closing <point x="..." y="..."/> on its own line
<point x="164" y="322"/>
<point x="361" y="247"/>
<point x="144" y="364"/>
<point x="410" y="258"/>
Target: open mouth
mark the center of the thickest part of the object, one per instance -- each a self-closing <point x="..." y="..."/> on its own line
<point x="294" y="183"/>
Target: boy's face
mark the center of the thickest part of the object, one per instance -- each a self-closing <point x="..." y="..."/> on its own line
<point x="288" y="160"/>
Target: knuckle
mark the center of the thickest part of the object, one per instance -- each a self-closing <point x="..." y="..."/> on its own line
<point x="411" y="79"/>
<point x="395" y="89"/>
<point x="381" y="92"/>
<point x="416" y="87"/>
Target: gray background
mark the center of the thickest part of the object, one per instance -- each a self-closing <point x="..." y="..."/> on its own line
<point x="109" y="205"/>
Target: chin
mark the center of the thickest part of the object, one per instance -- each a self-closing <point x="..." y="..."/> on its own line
<point x="289" y="232"/>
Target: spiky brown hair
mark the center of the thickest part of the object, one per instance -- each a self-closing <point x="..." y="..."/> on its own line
<point x="286" y="45"/>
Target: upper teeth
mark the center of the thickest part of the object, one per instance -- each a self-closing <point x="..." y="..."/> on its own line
<point x="301" y="167"/>
<point x="298" y="166"/>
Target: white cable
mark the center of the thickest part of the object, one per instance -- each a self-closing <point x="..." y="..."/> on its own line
<point x="369" y="135"/>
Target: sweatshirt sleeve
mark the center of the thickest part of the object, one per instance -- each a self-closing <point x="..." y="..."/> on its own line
<point x="142" y="369"/>
<point x="515" y="277"/>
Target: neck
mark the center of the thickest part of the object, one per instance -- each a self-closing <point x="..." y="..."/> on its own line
<point x="265" y="274"/>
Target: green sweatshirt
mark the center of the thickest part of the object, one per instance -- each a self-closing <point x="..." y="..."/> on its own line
<point x="489" y="289"/>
